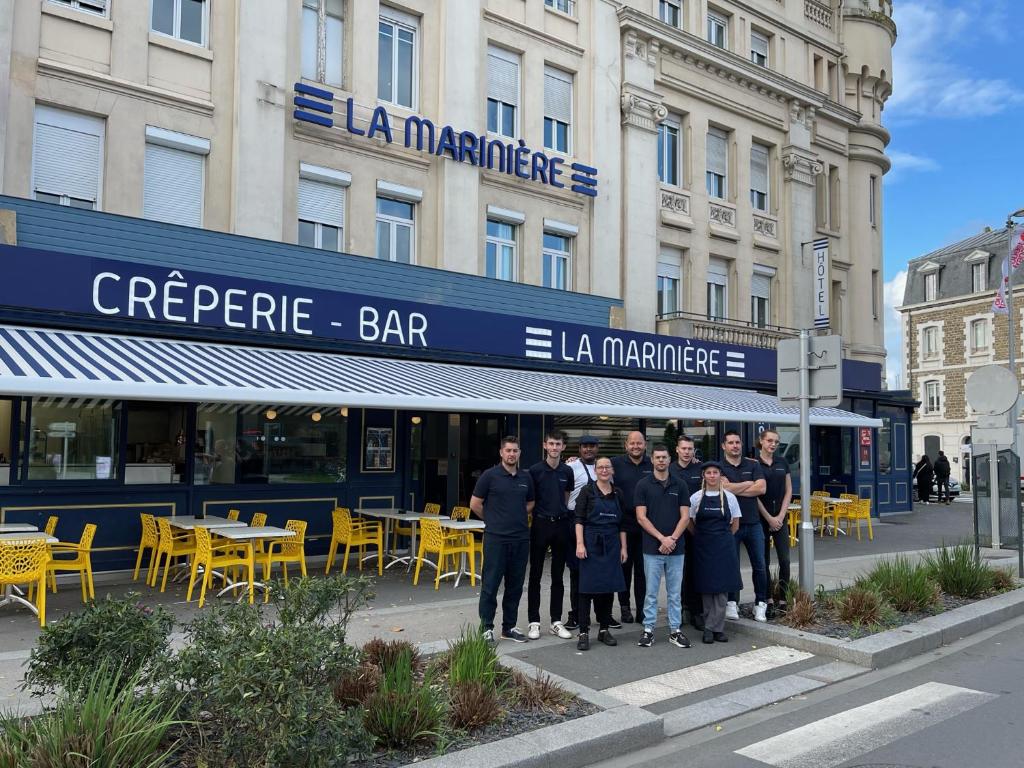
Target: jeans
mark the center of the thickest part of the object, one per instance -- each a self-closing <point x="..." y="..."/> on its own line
<point x="546" y="532"/>
<point x="504" y="560"/>
<point x="781" y="539"/>
<point x="633" y="567"/>
<point x="671" y="567"/>
<point x="752" y="537"/>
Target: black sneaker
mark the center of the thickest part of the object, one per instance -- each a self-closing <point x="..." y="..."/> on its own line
<point x="646" y="639"/>
<point x="709" y="636"/>
<point x="583" y="643"/>
<point x="616" y="625"/>
<point x="604" y="636"/>
<point x="721" y="637"/>
<point x="678" y="639"/>
<point x="697" y="619"/>
<point x="513" y="634"/>
<point x="572" y="623"/>
<point x="770" y="611"/>
<point x="627" y="616"/>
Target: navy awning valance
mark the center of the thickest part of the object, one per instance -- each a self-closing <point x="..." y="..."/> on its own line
<point x="64" y="363"/>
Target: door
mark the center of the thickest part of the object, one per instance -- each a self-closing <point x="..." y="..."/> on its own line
<point x="479" y="440"/>
<point x="834" y="467"/>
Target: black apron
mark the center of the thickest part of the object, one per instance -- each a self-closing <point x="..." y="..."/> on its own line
<point x="716" y="563"/>
<point x="601" y="570"/>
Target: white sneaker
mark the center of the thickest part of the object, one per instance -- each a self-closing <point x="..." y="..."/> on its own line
<point x="760" y="612"/>
<point x="732" y="610"/>
<point x="534" y="633"/>
<point x="558" y="629"/>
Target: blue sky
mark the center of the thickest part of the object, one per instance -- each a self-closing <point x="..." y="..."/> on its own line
<point x="957" y="122"/>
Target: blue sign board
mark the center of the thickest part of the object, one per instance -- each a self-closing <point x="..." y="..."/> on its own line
<point x="69" y="283"/>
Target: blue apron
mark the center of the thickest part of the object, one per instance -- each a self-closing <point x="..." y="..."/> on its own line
<point x="601" y="570"/>
<point x="716" y="562"/>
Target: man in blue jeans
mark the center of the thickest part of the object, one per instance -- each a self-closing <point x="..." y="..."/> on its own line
<point x="662" y="511"/>
<point x="745" y="478"/>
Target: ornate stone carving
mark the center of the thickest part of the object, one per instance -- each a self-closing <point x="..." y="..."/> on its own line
<point x="721" y="214"/>
<point x="818" y="12"/>
<point x="796" y="164"/>
<point x="642" y="111"/>
<point x="633" y="47"/>
<point x="765" y="226"/>
<point x="802" y="114"/>
<point x="675" y="202"/>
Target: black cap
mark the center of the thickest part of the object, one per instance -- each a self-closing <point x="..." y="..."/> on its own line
<point x="708" y="464"/>
<point x="589" y="440"/>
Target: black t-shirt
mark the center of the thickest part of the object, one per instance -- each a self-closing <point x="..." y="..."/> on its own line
<point x="775" y="481"/>
<point x="550" y="486"/>
<point x="748" y="469"/>
<point x="505" y="497"/>
<point x="627" y="475"/>
<point x="662" y="500"/>
<point x="690" y="474"/>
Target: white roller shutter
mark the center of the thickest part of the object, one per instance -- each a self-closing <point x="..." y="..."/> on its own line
<point x="322" y="202"/>
<point x="759" y="168"/>
<point x="761" y="286"/>
<point x="173" y="189"/>
<point x="502" y="76"/>
<point x="558" y="95"/>
<point x="718" y="271"/>
<point x="67" y="154"/>
<point x="718" y="151"/>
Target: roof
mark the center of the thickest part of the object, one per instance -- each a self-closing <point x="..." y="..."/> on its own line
<point x="954" y="272"/>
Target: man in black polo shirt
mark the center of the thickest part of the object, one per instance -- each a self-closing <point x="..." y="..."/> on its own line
<point x="774" y="506"/>
<point x="629" y="470"/>
<point x="688" y="469"/>
<point x="503" y="497"/>
<point x="553" y="481"/>
<point x="662" y="511"/>
<point x="745" y="479"/>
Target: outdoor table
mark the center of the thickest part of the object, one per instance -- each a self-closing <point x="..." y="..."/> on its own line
<point x="249" y="536"/>
<point x="18" y="528"/>
<point x="190" y="522"/>
<point x="832" y="503"/>
<point x="461" y="525"/>
<point x="10" y="591"/>
<point x="391" y="516"/>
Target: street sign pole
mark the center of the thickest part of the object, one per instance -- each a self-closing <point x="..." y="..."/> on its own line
<point x="806" y="524"/>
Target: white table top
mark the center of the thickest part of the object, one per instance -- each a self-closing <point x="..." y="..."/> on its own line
<point x="29" y="536"/>
<point x="17" y="527"/>
<point x="189" y="522"/>
<point x="838" y="501"/>
<point x="260" y="532"/>
<point x="463" y="525"/>
<point x="397" y="514"/>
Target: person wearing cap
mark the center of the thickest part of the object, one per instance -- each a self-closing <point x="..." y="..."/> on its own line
<point x="583" y="475"/>
<point x="714" y="519"/>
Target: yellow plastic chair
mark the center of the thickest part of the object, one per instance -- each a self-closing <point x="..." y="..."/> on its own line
<point x="259" y="519"/>
<point x="171" y="545"/>
<point x="23" y="561"/>
<point x="220" y="557"/>
<point x="434" y="540"/>
<point x="861" y="511"/>
<point x="430" y="508"/>
<point x="81" y="562"/>
<point x="51" y="525"/>
<point x="150" y="541"/>
<point x="460" y="513"/>
<point x="353" y="533"/>
<point x="233" y="514"/>
<point x="464" y="513"/>
<point x="819" y="511"/>
<point x="845" y="512"/>
<point x="289" y="550"/>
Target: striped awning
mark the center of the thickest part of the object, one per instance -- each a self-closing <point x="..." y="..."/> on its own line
<point x="63" y="364"/>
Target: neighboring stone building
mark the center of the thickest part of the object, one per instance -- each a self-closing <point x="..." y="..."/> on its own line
<point x="949" y="331"/>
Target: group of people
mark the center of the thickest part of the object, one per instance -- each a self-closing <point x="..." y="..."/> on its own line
<point x="624" y="524"/>
<point x="927" y="473"/>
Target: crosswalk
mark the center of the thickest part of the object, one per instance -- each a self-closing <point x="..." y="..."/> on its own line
<point x="834" y="740"/>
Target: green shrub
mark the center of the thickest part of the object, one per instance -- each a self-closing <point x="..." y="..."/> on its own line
<point x="958" y="571"/>
<point x="118" y="633"/>
<point x="860" y="605"/>
<point x="905" y="585"/>
<point x="472" y="659"/>
<point x="402" y="713"/>
<point x="328" y="601"/>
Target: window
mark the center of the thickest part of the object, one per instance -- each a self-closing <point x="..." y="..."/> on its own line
<point x="500" y="250"/>
<point x="321" y="207"/>
<point x="759" y="48"/>
<point x="7" y="421"/>
<point x="396" y="58"/>
<point x="979" y="335"/>
<point x="155" y="446"/>
<point x="873" y="200"/>
<point x="978" y="277"/>
<point x="876" y="294"/>
<point x="91" y="6"/>
<point x="72" y="440"/>
<point x="183" y="19"/>
<point x="174" y="177"/>
<point x="671" y="12"/>
<point x="718" y="163"/>
<point x="669" y="281"/>
<point x="759" y="177"/>
<point x="67" y="158"/>
<point x="760" y="297"/>
<point x="557" y="255"/>
<point x="930" y="342"/>
<point x="395" y="230"/>
<point x="565" y="6"/>
<point x="834" y="211"/>
<point x="322" y="40"/>
<point x="931" y="286"/>
<point x="669" y="153"/>
<point x="557" y="109"/>
<point x="718" y="289"/>
<point x="818" y="72"/>
<point x="932" y="393"/>
<point x="502" y="91"/>
<point x="718" y="29"/>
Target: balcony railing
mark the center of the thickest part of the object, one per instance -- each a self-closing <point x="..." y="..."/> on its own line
<point x="691" y="325"/>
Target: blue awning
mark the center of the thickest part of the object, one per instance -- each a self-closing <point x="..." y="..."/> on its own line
<point x="64" y="363"/>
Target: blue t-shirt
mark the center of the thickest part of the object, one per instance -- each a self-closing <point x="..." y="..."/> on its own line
<point x="662" y="501"/>
<point x="505" y="497"/>
<point x="550" y="484"/>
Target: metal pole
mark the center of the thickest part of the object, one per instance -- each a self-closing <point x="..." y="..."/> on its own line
<point x="993" y="480"/>
<point x="806" y="524"/>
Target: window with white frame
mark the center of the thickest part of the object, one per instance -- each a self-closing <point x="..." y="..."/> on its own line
<point x="90" y="6"/>
<point x="671" y="12"/>
<point x="670" y="281"/>
<point x="557" y="258"/>
<point x="718" y="289"/>
<point x="500" y="250"/>
<point x="174" y="177"/>
<point x="979" y="278"/>
<point x="565" y="6"/>
<point x="717" y="163"/>
<point x="718" y="29"/>
<point x="931" y="286"/>
<point x="183" y="19"/>
<point x="979" y="335"/>
<point x="502" y="91"/>
<point x="932" y="397"/>
<point x="396" y="57"/>
<point x="67" y="158"/>
<point x="395" y="230"/>
<point x="929" y="342"/>
<point x="759" y="177"/>
<point x="557" y="109"/>
<point x="321" y="207"/>
<point x="670" y="154"/>
<point x="759" y="48"/>
<point x="760" y="296"/>
<point x="322" y="40"/>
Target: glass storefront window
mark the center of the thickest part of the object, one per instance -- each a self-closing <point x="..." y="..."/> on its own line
<point x="155" y="449"/>
<point x="5" y="441"/>
<point x="72" y="440"/>
<point x="216" y="445"/>
<point x="703" y="432"/>
<point x="789" y="447"/>
<point x="885" y="446"/>
<point x="610" y="430"/>
<point x="294" y="446"/>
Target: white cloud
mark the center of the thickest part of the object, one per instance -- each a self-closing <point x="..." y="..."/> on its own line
<point x="893" y="293"/>
<point x="906" y="162"/>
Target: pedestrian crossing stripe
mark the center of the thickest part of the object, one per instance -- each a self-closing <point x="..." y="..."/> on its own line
<point x="834" y="740"/>
<point x="680" y="682"/>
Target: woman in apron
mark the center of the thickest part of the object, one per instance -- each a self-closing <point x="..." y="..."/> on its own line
<point x="714" y="518"/>
<point x="601" y="549"/>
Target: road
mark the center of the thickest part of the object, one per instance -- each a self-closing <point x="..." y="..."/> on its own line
<point x="961" y="706"/>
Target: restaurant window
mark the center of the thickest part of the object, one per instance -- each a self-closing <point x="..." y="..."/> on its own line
<point x="395" y="224"/>
<point x="174" y="169"/>
<point x="611" y="431"/>
<point x="155" y="445"/>
<point x="789" y="447"/>
<point x="215" y="445"/>
<point x="502" y="91"/>
<point x="291" y="445"/>
<point x="557" y="253"/>
<point x="396" y="57"/>
<point x="557" y="109"/>
<point x="182" y="19"/>
<point x="67" y="158"/>
<point x="703" y="432"/>
<point x="6" y="433"/>
<point x="322" y="195"/>
<point x="500" y="250"/>
<point x="72" y="440"/>
<point x="322" y="40"/>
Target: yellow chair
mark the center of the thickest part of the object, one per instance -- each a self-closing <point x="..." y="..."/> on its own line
<point x="233" y="514"/>
<point x="861" y="511"/>
<point x="845" y="512"/>
<point x="819" y="511"/>
<point x="397" y="529"/>
<point x="171" y="545"/>
<point x="259" y="519"/>
<point x="150" y="540"/>
<point x="23" y="561"/>
<point x="431" y="508"/>
<point x="464" y="513"/>
<point x="460" y="513"/>
<point x="433" y="539"/>
<point x="353" y="533"/>
<point x="289" y="550"/>
<point x="211" y="558"/>
<point x="81" y="562"/>
<point x="51" y="525"/>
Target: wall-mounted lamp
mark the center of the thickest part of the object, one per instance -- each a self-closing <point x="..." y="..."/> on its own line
<point x="315" y="416"/>
<point x="271" y="414"/>
<point x="344" y="410"/>
<point x="416" y="419"/>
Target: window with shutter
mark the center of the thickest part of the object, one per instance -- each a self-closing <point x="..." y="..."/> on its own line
<point x="173" y="186"/>
<point x="557" y="109"/>
<point x="759" y="49"/>
<point x="502" y="91"/>
<point x="760" y="297"/>
<point x="321" y="207"/>
<point x="669" y="152"/>
<point x="718" y="285"/>
<point x="67" y="158"/>
<point x="717" y="162"/>
<point x="759" y="177"/>
<point x="91" y="6"/>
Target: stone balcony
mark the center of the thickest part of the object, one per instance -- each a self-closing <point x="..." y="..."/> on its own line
<point x="690" y="325"/>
